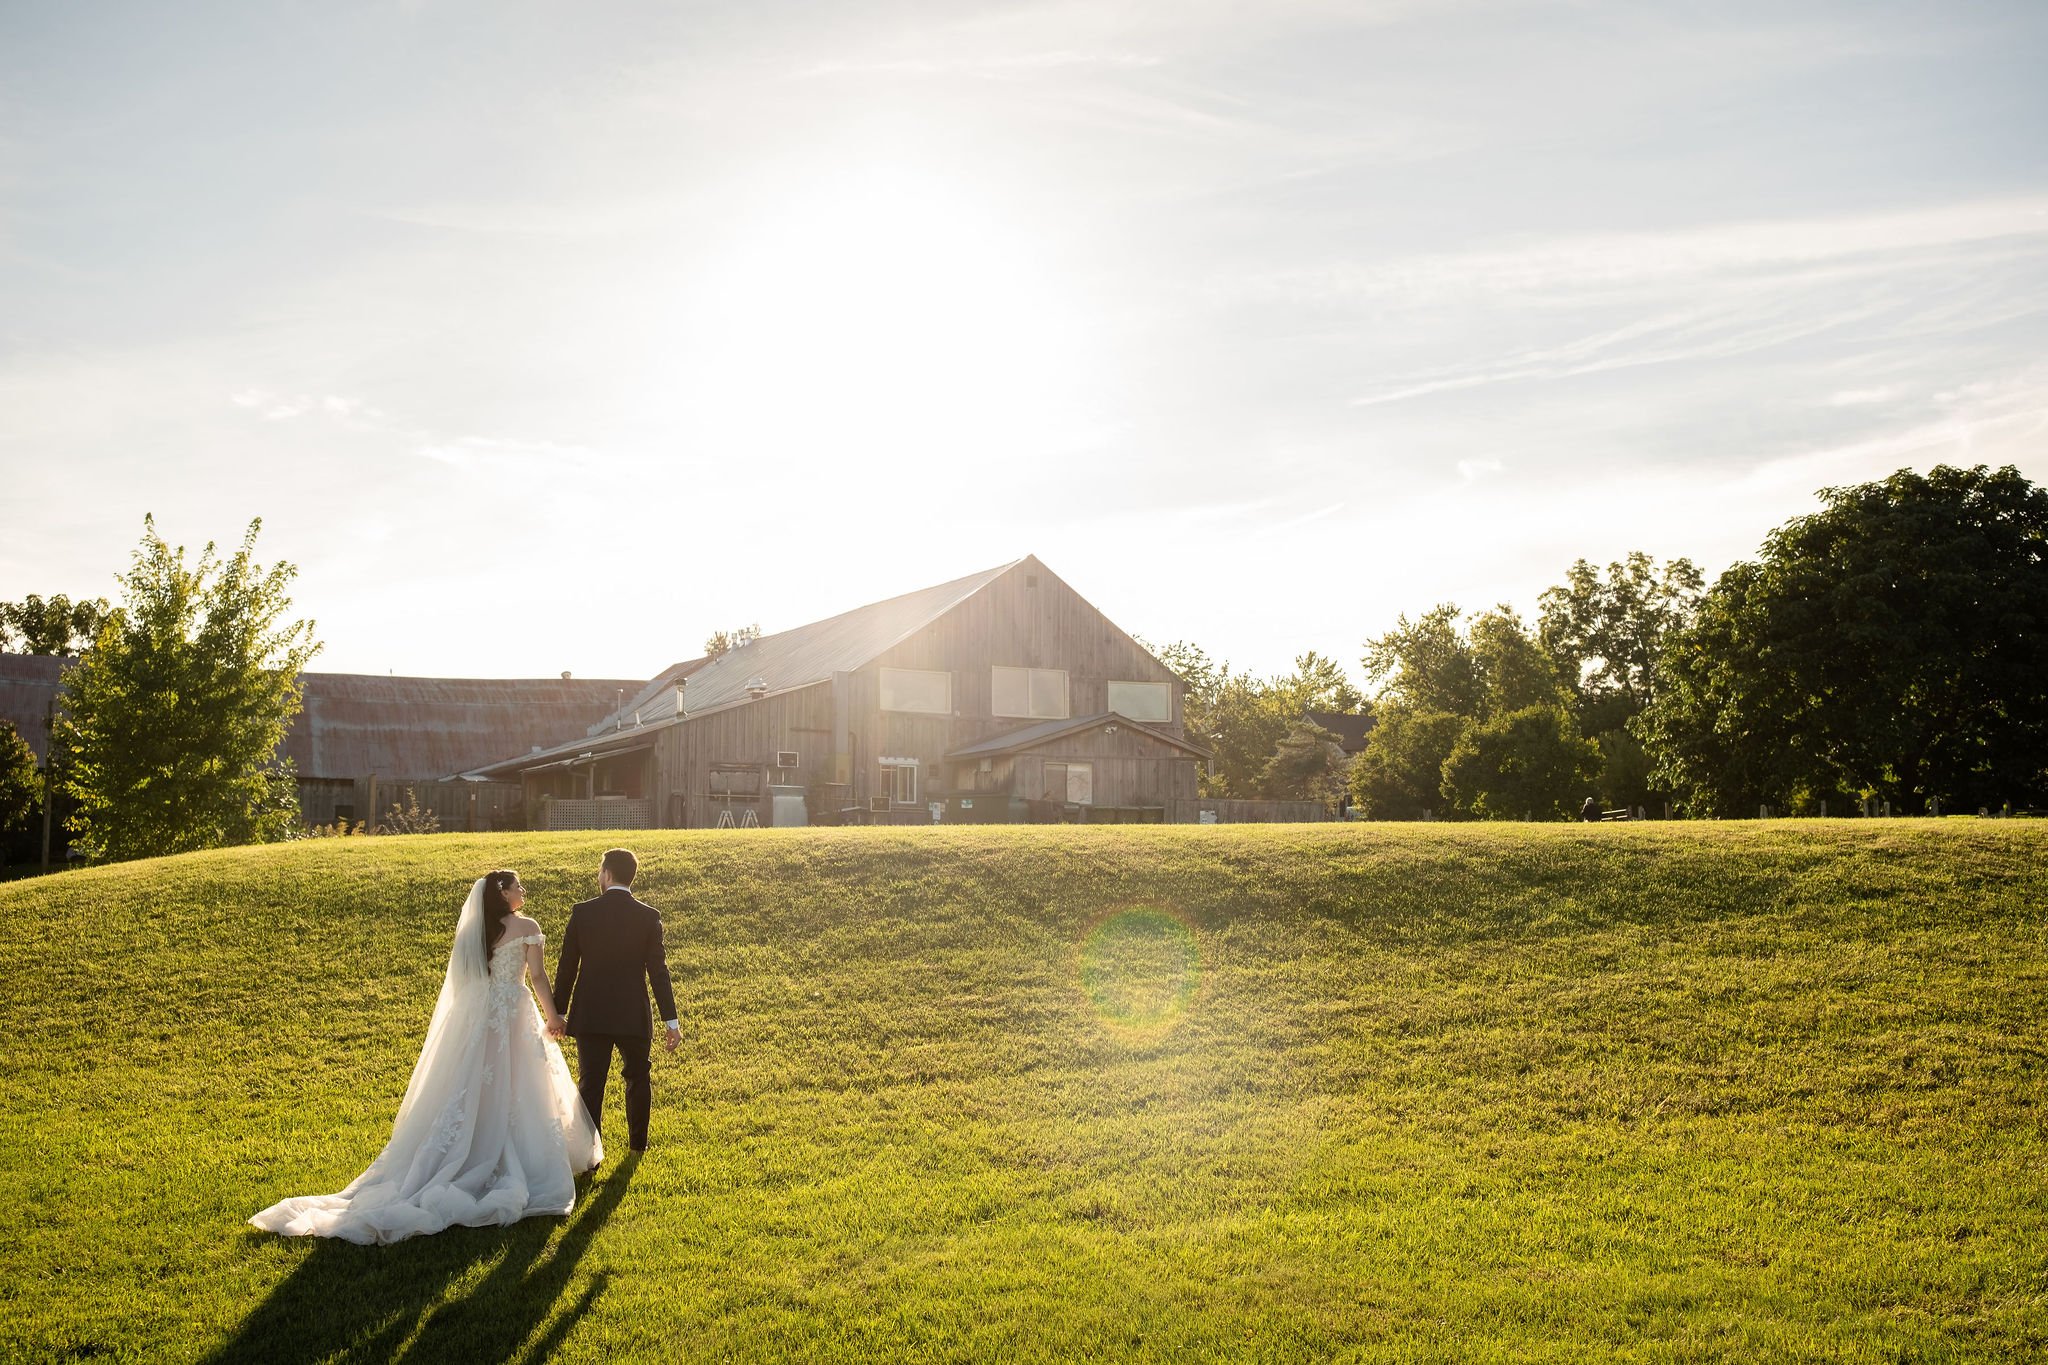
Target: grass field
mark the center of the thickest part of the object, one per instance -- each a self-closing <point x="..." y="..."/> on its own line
<point x="1663" y="1092"/>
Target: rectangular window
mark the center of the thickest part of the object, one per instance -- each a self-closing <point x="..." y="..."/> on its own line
<point x="1141" y="701"/>
<point x="1073" y="783"/>
<point x="1030" y="693"/>
<point x="899" y="780"/>
<point x="918" y="689"/>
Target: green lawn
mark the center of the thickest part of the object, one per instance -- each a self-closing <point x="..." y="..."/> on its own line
<point x="1663" y="1092"/>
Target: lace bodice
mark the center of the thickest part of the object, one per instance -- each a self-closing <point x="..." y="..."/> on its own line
<point x="504" y="952"/>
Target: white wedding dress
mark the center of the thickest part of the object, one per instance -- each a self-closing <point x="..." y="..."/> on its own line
<point x="491" y="1129"/>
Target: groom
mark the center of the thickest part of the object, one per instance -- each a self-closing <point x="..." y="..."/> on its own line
<point x="615" y="944"/>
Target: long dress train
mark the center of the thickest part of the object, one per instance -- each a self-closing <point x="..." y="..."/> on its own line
<point x="491" y="1129"/>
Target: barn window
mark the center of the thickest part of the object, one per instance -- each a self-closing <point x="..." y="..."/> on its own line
<point x="1070" y="782"/>
<point x="1141" y="700"/>
<point x="899" y="780"/>
<point x="1031" y="693"/>
<point x="918" y="689"/>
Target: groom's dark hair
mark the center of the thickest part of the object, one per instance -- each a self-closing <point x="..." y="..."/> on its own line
<point x="620" y="865"/>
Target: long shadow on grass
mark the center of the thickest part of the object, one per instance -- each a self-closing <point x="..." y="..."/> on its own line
<point x="355" y="1303"/>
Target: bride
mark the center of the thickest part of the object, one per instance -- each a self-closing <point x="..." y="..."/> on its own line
<point x="491" y="1129"/>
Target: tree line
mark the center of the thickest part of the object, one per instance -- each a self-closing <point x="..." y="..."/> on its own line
<point x="1891" y="647"/>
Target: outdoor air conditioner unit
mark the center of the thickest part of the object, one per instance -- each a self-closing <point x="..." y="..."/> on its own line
<point x="878" y="804"/>
<point x="785" y="758"/>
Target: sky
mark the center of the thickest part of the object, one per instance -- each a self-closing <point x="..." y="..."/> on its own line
<point x="549" y="336"/>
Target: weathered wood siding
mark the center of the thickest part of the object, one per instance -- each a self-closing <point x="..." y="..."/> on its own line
<point x="1026" y="618"/>
<point x="1128" y="769"/>
<point x="684" y="755"/>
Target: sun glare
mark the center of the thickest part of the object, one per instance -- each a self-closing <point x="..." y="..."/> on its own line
<point x="886" y="313"/>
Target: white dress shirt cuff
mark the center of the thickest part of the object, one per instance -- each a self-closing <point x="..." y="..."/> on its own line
<point x="673" y="1024"/>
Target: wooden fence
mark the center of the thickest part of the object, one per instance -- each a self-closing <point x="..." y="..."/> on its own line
<point x="1221" y="811"/>
<point x="606" y="812"/>
<point x="459" y="806"/>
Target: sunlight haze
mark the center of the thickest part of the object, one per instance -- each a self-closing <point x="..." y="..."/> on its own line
<point x="555" y="337"/>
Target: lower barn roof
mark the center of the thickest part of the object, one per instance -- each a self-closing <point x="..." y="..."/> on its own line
<point x="353" y="724"/>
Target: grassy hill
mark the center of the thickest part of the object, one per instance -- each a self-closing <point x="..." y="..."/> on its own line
<point x="1372" y="1092"/>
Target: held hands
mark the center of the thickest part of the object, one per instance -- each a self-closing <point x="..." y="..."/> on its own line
<point x="673" y="1037"/>
<point x="556" y="1028"/>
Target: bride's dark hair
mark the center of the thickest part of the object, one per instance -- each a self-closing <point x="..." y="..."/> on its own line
<point x="496" y="907"/>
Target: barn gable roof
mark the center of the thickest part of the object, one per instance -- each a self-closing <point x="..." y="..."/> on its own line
<point x="799" y="657"/>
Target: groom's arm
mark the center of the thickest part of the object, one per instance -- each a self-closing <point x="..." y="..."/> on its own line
<point x="657" y="974"/>
<point x="565" y="971"/>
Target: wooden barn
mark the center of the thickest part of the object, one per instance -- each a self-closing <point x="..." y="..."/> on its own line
<point x="361" y="740"/>
<point x="1001" y="696"/>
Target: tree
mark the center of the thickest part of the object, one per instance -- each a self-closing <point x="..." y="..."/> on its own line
<point x="1308" y="764"/>
<point x="1399" y="774"/>
<point x="1607" y="634"/>
<point x="21" y="786"/>
<point x="1528" y="764"/>
<point x="53" y="626"/>
<point x="1452" y="696"/>
<point x="1893" y="644"/>
<point x="724" y="641"/>
<point x="1243" y="720"/>
<point x="172" y="718"/>
<point x="1427" y="664"/>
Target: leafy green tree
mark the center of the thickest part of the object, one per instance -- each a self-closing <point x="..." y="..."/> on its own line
<point x="55" y="625"/>
<point x="1427" y="664"/>
<point x="1513" y="669"/>
<point x="1529" y="763"/>
<point x="172" y="718"/>
<point x="1244" y="719"/>
<point x="1399" y="774"/>
<point x="1894" y="644"/>
<point x="1467" y="696"/>
<point x="1318" y="684"/>
<point x="21" y="786"/>
<point x="1608" y="632"/>
<point x="1308" y="764"/>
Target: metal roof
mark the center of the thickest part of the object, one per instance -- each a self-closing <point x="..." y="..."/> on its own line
<point x="28" y="686"/>
<point x="1048" y="730"/>
<point x="797" y="658"/>
<point x="783" y="662"/>
<point x="353" y="724"/>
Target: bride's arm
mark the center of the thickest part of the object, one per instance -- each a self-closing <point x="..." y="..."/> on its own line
<point x="537" y="973"/>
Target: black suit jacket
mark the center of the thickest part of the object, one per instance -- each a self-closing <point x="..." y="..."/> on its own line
<point x="611" y="952"/>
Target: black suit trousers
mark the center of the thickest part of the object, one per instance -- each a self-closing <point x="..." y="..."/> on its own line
<point x="594" y="1066"/>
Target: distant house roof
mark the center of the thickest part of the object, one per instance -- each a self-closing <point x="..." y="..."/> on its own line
<point x="28" y="687"/>
<point x="353" y="724"/>
<point x="1350" y="730"/>
<point x="1030" y="736"/>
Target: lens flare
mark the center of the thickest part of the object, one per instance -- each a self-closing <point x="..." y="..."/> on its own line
<point x="1140" y="967"/>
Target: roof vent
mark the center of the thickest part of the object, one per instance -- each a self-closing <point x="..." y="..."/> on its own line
<point x="565" y="675"/>
<point x="757" y="688"/>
